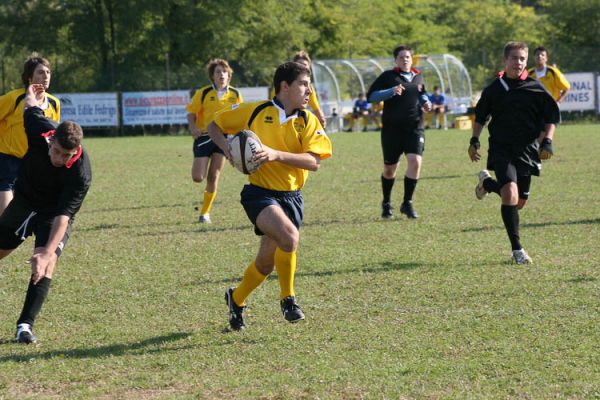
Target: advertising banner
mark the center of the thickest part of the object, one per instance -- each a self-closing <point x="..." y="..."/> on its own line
<point x="582" y="94"/>
<point x="155" y="108"/>
<point x="89" y="109"/>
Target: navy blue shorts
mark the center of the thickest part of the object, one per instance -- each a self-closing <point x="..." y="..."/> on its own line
<point x="9" y="169"/>
<point x="255" y="199"/>
<point x="205" y="147"/>
<point x="19" y="221"/>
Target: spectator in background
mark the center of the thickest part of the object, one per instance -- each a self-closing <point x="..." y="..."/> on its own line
<point x="550" y="76"/>
<point x="13" y="140"/>
<point x="438" y="108"/>
<point x="361" y="110"/>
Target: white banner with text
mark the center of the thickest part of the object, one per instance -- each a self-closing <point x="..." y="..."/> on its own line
<point x="582" y="95"/>
<point x="89" y="109"/>
<point x="155" y="108"/>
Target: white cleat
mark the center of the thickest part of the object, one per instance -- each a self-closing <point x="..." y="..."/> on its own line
<point x="521" y="257"/>
<point x="480" y="192"/>
<point x="204" y="219"/>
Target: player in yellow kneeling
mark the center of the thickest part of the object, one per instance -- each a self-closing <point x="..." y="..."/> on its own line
<point x="293" y="143"/>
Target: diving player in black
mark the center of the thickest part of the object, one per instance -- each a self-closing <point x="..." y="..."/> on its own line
<point x="53" y="180"/>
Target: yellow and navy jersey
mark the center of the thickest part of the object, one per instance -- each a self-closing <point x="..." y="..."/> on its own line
<point x="298" y="133"/>
<point x="206" y="103"/>
<point x="554" y="81"/>
<point x="313" y="101"/>
<point x="13" y="140"/>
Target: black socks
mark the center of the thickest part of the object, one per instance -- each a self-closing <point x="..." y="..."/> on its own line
<point x="386" y="186"/>
<point x="36" y="295"/>
<point x="510" y="216"/>
<point x="409" y="188"/>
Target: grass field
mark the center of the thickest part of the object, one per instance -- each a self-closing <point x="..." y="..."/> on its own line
<point x="397" y="309"/>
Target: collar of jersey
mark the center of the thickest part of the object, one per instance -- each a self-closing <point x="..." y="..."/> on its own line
<point x="225" y="90"/>
<point x="282" y="117"/>
<point x="521" y="77"/>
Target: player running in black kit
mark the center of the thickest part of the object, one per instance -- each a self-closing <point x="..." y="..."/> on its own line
<point x="523" y="118"/>
<point x="403" y="91"/>
<point x="53" y="180"/>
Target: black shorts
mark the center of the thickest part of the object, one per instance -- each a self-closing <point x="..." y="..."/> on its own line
<point x="9" y="169"/>
<point x="513" y="171"/>
<point x="398" y="141"/>
<point x="19" y="221"/>
<point x="205" y="147"/>
<point x="255" y="199"/>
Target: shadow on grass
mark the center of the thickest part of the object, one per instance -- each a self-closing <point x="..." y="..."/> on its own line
<point x="111" y="209"/>
<point x="385" y="266"/>
<point x="147" y="346"/>
<point x="443" y="177"/>
<point x="536" y="225"/>
<point x="212" y="228"/>
<point x="581" y="279"/>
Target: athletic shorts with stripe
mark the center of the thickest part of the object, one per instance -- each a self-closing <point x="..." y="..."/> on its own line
<point x="19" y="221"/>
<point x="205" y="147"/>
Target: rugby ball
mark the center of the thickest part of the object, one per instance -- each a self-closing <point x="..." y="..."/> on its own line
<point x="243" y="147"/>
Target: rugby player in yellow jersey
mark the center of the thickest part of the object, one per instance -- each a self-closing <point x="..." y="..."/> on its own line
<point x="13" y="141"/>
<point x="294" y="143"/>
<point x="206" y="102"/>
<point x="552" y="79"/>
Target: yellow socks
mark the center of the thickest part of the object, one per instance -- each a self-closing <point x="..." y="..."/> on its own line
<point x="252" y="279"/>
<point x="207" y="204"/>
<point x="285" y="263"/>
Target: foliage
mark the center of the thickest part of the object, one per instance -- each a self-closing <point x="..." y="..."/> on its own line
<point x="99" y="45"/>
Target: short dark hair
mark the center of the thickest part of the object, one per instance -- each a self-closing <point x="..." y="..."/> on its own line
<point x="288" y="72"/>
<point x="212" y="65"/>
<point x="30" y="65"/>
<point x="510" y="46"/>
<point x="400" y="48"/>
<point x="540" y="49"/>
<point x="435" y="88"/>
<point x="69" y="135"/>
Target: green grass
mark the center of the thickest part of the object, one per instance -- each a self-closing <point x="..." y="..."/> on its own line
<point x="395" y="309"/>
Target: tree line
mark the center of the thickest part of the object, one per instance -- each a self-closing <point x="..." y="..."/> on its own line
<point x="105" y="45"/>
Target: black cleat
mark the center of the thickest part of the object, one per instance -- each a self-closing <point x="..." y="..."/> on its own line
<point x="386" y="211"/>
<point x="407" y="208"/>
<point x="291" y="310"/>
<point x="24" y="334"/>
<point x="236" y="317"/>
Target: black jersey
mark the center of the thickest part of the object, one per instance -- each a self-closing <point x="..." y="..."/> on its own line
<point x="403" y="109"/>
<point x="519" y="109"/>
<point x="48" y="189"/>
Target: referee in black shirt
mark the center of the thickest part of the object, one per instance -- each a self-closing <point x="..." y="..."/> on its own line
<point x="523" y="118"/>
<point x="53" y="180"/>
<point x="402" y="90"/>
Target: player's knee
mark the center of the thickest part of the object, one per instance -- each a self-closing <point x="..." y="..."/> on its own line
<point x="197" y="177"/>
<point x="289" y="242"/>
